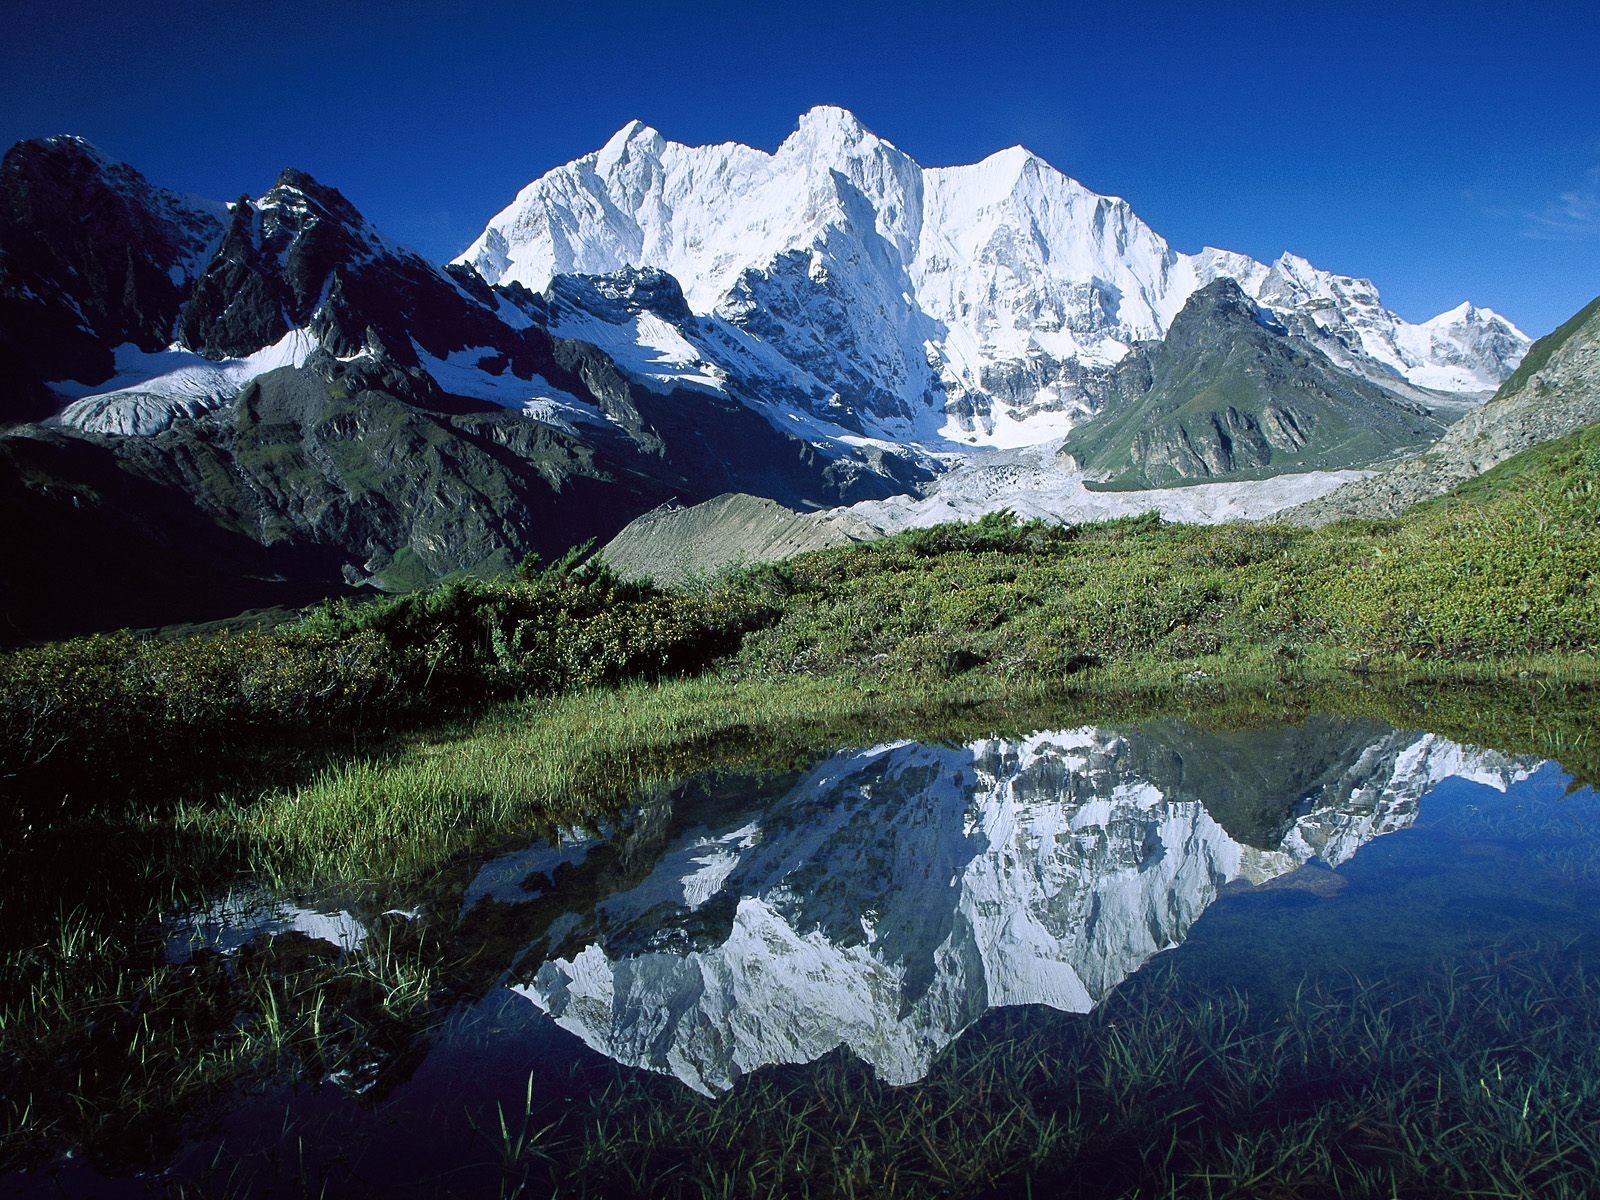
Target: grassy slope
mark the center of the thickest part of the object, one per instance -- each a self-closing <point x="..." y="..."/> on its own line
<point x="872" y="640"/>
<point x="1541" y="351"/>
<point x="965" y="630"/>
<point x="1507" y="566"/>
<point x="1346" y="423"/>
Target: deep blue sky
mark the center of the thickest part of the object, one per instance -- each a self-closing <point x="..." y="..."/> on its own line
<point x="1447" y="150"/>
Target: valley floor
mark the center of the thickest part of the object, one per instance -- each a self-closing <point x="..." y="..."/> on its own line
<point x="1498" y="579"/>
<point x="382" y="749"/>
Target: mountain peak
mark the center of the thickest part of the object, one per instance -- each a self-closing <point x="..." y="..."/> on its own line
<point x="1222" y="301"/>
<point x="948" y="294"/>
<point x="292" y="183"/>
<point x="66" y="144"/>
<point x="829" y="127"/>
<point x="1293" y="265"/>
<point x="1018" y="154"/>
<point x="830" y="116"/>
<point x="634" y="134"/>
<point x="1012" y="160"/>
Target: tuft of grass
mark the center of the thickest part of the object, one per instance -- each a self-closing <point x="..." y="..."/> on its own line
<point x="108" y="1046"/>
<point x="1475" y="1078"/>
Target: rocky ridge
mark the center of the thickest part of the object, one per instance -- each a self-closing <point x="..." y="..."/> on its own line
<point x="1555" y="392"/>
<point x="1230" y="393"/>
<point x="979" y="304"/>
<point x="323" y="407"/>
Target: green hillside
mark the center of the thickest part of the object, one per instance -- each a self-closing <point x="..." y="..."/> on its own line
<point x="1223" y="396"/>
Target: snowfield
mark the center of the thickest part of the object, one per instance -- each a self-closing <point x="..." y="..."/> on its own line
<point x="1032" y="483"/>
<point x="964" y="305"/>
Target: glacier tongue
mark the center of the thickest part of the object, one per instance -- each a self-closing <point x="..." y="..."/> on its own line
<point x="895" y="894"/>
<point x="971" y="304"/>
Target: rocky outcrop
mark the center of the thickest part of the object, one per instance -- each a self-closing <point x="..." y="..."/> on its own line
<point x="1555" y="392"/>
<point x="92" y="255"/>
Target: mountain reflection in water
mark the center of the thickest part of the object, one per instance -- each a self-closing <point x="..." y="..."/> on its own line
<point x="891" y="896"/>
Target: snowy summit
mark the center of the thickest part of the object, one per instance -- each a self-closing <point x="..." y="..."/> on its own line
<point x="975" y="304"/>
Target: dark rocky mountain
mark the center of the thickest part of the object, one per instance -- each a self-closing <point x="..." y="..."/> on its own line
<point x="1229" y="394"/>
<point x="92" y="255"/>
<point x="336" y="410"/>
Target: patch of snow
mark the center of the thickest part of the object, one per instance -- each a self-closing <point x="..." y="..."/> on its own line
<point x="1032" y="483"/>
<point x="464" y="373"/>
<point x="646" y="347"/>
<point x="152" y="390"/>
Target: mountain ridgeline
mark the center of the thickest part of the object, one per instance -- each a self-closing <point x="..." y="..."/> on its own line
<point x="217" y="406"/>
<point x="1555" y="392"/>
<point x="333" y="410"/>
<point x="1228" y="395"/>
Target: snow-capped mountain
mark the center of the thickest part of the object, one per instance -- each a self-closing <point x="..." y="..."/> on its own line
<point x="895" y="894"/>
<point x="968" y="304"/>
<point x="270" y="400"/>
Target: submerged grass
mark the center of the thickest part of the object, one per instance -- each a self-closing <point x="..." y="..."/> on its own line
<point x="108" y="1046"/>
<point x="576" y="760"/>
<point x="1479" y="1078"/>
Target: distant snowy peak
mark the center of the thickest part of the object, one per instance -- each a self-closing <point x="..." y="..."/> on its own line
<point x="1466" y="349"/>
<point x="972" y="303"/>
<point x="702" y="213"/>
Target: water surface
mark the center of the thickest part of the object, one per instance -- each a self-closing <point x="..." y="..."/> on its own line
<point x="877" y="912"/>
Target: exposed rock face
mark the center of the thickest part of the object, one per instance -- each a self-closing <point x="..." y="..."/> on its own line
<point x="1228" y="393"/>
<point x="92" y="255"/>
<point x="338" y="410"/>
<point x="891" y="896"/>
<point x="1555" y="392"/>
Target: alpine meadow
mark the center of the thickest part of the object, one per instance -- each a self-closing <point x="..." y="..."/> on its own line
<point x="794" y="672"/>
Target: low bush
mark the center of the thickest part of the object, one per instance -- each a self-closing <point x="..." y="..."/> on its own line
<point x="91" y="720"/>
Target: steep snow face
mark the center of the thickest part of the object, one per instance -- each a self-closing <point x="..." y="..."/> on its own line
<point x="897" y="893"/>
<point x="1467" y="349"/>
<point x="975" y="304"/>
